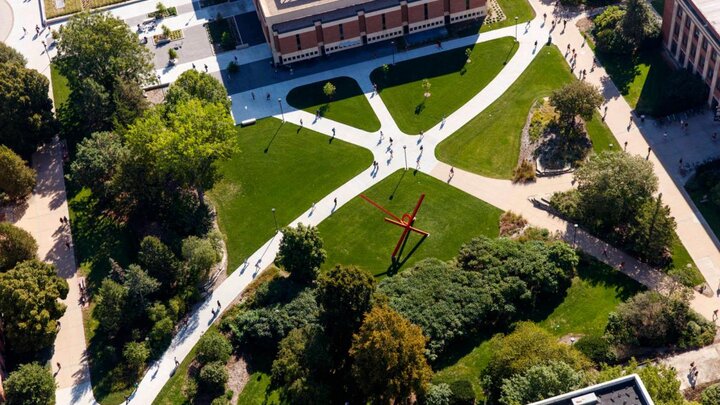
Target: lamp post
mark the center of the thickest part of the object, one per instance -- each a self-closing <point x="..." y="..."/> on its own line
<point x="575" y="235"/>
<point x="282" y="114"/>
<point x="405" y="154"/>
<point x="277" y="229"/>
<point x="393" y="49"/>
<point x="516" y="28"/>
<point x="625" y="146"/>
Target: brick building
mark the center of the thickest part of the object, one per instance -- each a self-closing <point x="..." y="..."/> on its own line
<point x="691" y="34"/>
<point x="302" y="29"/>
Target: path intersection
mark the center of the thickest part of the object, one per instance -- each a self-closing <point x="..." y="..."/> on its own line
<point x="692" y="228"/>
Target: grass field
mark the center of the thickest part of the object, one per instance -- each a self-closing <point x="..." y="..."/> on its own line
<point x="512" y="8"/>
<point x="453" y="82"/>
<point x="489" y="143"/>
<point x="357" y="234"/>
<point x="279" y="166"/>
<point x="595" y="292"/>
<point x="60" y="88"/>
<point x="348" y="105"/>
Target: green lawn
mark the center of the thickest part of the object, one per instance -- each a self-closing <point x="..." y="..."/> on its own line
<point x="489" y="144"/>
<point x="255" y="391"/>
<point x="512" y="8"/>
<point x="279" y="166"/>
<point x="601" y="136"/>
<point x="453" y="82"/>
<point x="639" y="76"/>
<point x="60" y="88"/>
<point x="348" y="105"/>
<point x="357" y="234"/>
<point x="595" y="292"/>
<point x="684" y="268"/>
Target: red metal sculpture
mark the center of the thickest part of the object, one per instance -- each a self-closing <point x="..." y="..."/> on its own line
<point x="405" y="222"/>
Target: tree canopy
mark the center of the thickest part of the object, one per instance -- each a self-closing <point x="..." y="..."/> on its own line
<point x="16" y="245"/>
<point x="9" y="54"/>
<point x="388" y="354"/>
<point x="578" y="98"/>
<point x="198" y="85"/>
<point x="26" y="117"/>
<point x="301" y="252"/>
<point x="30" y="306"/>
<point x="540" y="382"/>
<point x="18" y="179"/>
<point x="30" y="384"/>
<point x="97" y="161"/>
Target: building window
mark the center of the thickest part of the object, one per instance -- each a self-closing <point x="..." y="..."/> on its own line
<point x="687" y="23"/>
<point x="693" y="49"/>
<point x="673" y="48"/>
<point x="342" y="31"/>
<point x="702" y="62"/>
<point x="297" y="41"/>
<point x="704" y="44"/>
<point x="425" y="8"/>
<point x="677" y="29"/>
<point x="697" y="32"/>
<point x="384" y="25"/>
<point x="679" y="12"/>
<point x="467" y="4"/>
<point x="713" y="56"/>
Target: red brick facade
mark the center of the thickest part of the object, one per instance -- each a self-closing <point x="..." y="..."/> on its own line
<point x="327" y="37"/>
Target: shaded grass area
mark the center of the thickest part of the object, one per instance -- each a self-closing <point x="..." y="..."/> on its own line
<point x="639" y="79"/>
<point x="453" y="82"/>
<point x="60" y="88"/>
<point x="279" y="166"/>
<point x="601" y="136"/>
<point x="348" y="105"/>
<point x="357" y="234"/>
<point x="684" y="268"/>
<point x="489" y="144"/>
<point x="595" y="292"/>
<point x="699" y="187"/>
<point x="257" y="390"/>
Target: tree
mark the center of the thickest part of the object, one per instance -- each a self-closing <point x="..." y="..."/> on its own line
<point x="711" y="395"/>
<point x="388" y="355"/>
<point x="160" y="263"/>
<point x="30" y="306"/>
<point x="172" y="54"/>
<point x="301" y="252"/>
<point x="186" y="145"/>
<point x="200" y="255"/>
<point x="540" y="382"/>
<point x="660" y="380"/>
<point x="612" y="188"/>
<point x="655" y="232"/>
<point x="578" y="98"/>
<point x="527" y="346"/>
<point x="301" y="367"/>
<point x="140" y="286"/>
<point x="26" y="116"/>
<point x="30" y="384"/>
<point x="426" y="88"/>
<point x="160" y="335"/>
<point x="97" y="162"/>
<point x="439" y="394"/>
<point x="16" y="245"/>
<point x="110" y="306"/>
<point x="213" y="377"/>
<point x="135" y="355"/>
<point x="103" y="48"/>
<point x="344" y="295"/>
<point x="9" y="54"/>
<point x="213" y="346"/>
<point x="199" y="85"/>
<point x="637" y="22"/>
<point x="329" y="90"/>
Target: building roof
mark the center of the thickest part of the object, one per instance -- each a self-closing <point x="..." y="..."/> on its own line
<point x="332" y="14"/>
<point x="627" y="390"/>
<point x="710" y="9"/>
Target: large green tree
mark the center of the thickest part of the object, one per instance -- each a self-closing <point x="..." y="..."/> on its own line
<point x="26" y="117"/>
<point x="18" y="179"/>
<point x="540" y="382"/>
<point x="344" y="295"/>
<point x="301" y="252"/>
<point x="193" y="84"/>
<point x="140" y="287"/>
<point x="9" y="54"/>
<point x="30" y="306"/>
<point x="160" y="263"/>
<point x="388" y="354"/>
<point x="578" y="98"/>
<point x="660" y="380"/>
<point x="109" y="308"/>
<point x="527" y="346"/>
<point x="30" y="384"/>
<point x="16" y="245"/>
<point x="97" y="162"/>
<point x="638" y="21"/>
<point x="185" y="145"/>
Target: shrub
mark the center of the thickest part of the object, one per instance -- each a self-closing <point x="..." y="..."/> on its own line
<point x="597" y="349"/>
<point x="17" y="180"/>
<point x="233" y="67"/>
<point x="511" y="223"/>
<point x="172" y="54"/>
<point x="213" y="346"/>
<point x="525" y="172"/>
<point x="135" y="355"/>
<point x="539" y="382"/>
<point x="711" y="395"/>
<point x="462" y="393"/>
<point x="227" y="41"/>
<point x="30" y="384"/>
<point x="16" y="245"/>
<point x="439" y="394"/>
<point x="213" y="377"/>
<point x="161" y="335"/>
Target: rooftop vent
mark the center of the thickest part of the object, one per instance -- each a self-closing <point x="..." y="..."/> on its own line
<point x="587" y="399"/>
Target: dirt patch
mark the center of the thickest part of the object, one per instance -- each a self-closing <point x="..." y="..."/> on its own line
<point x="571" y="338"/>
<point x="238" y="376"/>
<point x="584" y="24"/>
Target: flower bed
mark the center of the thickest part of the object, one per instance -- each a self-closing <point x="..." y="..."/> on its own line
<point x="174" y="36"/>
<point x="168" y="12"/>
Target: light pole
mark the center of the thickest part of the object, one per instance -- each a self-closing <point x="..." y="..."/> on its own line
<point x="516" y="28"/>
<point x="275" y="219"/>
<point x="625" y="146"/>
<point x="282" y="114"/>
<point x="393" y="49"/>
<point x="575" y="235"/>
<point x="405" y="154"/>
